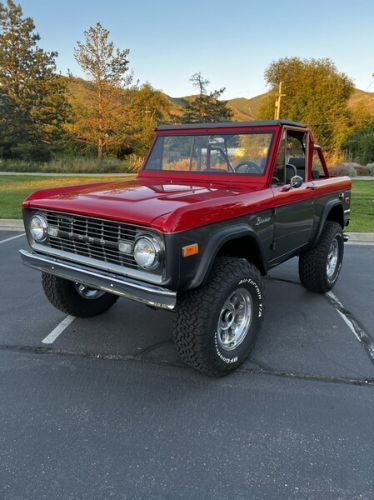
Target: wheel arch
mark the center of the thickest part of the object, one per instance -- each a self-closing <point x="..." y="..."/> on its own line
<point x="238" y="241"/>
<point x="334" y="212"/>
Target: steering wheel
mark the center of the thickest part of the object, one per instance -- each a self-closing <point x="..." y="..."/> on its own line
<point x="248" y="167"/>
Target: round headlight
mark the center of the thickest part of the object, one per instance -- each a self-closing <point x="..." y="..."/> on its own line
<point x="38" y="227"/>
<point x="147" y="252"/>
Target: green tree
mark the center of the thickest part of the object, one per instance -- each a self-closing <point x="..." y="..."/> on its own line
<point x="359" y="145"/>
<point x="102" y="118"/>
<point x="33" y="102"/>
<point x="206" y="106"/>
<point x="316" y="94"/>
<point x="148" y="109"/>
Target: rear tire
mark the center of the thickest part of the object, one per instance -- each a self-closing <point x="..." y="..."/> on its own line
<point x="64" y="295"/>
<point x="217" y="324"/>
<point x="319" y="268"/>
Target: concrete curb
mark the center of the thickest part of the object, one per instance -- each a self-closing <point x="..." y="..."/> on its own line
<point x="11" y="225"/>
<point x="359" y="238"/>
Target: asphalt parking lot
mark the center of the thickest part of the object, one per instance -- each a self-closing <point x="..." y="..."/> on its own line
<point x="107" y="409"/>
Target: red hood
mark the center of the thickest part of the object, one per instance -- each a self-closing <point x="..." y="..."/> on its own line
<point x="168" y="207"/>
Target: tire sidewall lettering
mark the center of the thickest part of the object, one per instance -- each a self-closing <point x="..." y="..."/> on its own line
<point x="220" y="355"/>
<point x="252" y="282"/>
<point x="257" y="298"/>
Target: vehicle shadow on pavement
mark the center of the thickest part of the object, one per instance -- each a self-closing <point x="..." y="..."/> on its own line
<point x="302" y="334"/>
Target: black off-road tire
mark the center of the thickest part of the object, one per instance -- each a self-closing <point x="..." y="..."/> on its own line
<point x="199" y="310"/>
<point x="313" y="263"/>
<point x="63" y="295"/>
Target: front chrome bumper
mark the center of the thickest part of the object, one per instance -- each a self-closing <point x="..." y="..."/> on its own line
<point x="139" y="291"/>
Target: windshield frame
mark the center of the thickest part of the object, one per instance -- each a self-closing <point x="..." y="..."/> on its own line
<point x="209" y="132"/>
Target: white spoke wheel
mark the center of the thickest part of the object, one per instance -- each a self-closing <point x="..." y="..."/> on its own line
<point x="234" y="319"/>
<point x="217" y="324"/>
<point x="332" y="258"/>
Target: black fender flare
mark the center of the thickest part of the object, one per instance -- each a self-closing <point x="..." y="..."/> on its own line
<point x="326" y="210"/>
<point x="215" y="243"/>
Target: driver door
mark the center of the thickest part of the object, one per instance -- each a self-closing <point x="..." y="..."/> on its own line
<point x="294" y="207"/>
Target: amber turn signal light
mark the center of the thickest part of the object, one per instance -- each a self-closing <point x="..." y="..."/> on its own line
<point x="189" y="250"/>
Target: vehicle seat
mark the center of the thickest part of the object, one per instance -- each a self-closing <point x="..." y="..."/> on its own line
<point x="263" y="162"/>
<point x="299" y="163"/>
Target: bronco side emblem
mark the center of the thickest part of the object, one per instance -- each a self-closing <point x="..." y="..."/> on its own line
<point x="262" y="220"/>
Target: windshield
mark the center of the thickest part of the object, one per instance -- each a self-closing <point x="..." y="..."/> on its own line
<point x="220" y="153"/>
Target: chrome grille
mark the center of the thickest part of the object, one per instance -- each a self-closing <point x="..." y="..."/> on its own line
<point x="90" y="237"/>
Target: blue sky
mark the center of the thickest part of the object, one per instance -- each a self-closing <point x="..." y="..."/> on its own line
<point x="231" y="43"/>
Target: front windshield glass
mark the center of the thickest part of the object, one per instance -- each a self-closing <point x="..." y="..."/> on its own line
<point x="217" y="153"/>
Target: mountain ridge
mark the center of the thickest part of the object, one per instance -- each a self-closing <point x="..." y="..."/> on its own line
<point x="243" y="108"/>
<point x="247" y="108"/>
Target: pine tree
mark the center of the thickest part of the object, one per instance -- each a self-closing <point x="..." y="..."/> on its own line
<point x="33" y="104"/>
<point x="206" y="106"/>
<point x="102" y="121"/>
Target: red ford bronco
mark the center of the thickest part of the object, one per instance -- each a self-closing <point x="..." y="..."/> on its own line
<point x="213" y="209"/>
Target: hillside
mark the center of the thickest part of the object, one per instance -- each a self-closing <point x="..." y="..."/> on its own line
<point x="366" y="99"/>
<point x="243" y="109"/>
<point x="247" y="109"/>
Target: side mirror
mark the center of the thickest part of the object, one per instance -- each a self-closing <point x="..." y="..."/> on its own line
<point x="296" y="181"/>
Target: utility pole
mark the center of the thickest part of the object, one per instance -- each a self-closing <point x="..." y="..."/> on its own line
<point x="278" y="102"/>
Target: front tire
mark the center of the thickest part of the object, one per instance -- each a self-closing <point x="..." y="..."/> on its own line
<point x="217" y="324"/>
<point x="319" y="268"/>
<point x="74" y="298"/>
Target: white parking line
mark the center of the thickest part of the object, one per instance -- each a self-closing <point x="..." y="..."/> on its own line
<point x="346" y="320"/>
<point x="334" y="298"/>
<point x="56" y="332"/>
<point x="349" y="324"/>
<point x="12" y="238"/>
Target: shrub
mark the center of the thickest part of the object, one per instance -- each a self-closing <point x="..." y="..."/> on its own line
<point x="360" y="169"/>
<point x="67" y="164"/>
<point x="135" y="163"/>
<point x="343" y="169"/>
<point x="37" y="153"/>
<point x="370" y="169"/>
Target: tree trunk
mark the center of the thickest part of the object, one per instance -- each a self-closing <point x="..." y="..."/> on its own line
<point x="100" y="151"/>
<point x="100" y="142"/>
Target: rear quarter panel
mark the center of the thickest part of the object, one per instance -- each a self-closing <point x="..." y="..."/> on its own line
<point x="329" y="191"/>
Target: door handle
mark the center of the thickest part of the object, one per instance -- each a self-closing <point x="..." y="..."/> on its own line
<point x="312" y="188"/>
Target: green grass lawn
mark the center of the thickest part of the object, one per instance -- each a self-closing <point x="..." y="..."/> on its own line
<point x="362" y="207"/>
<point x="14" y="189"/>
